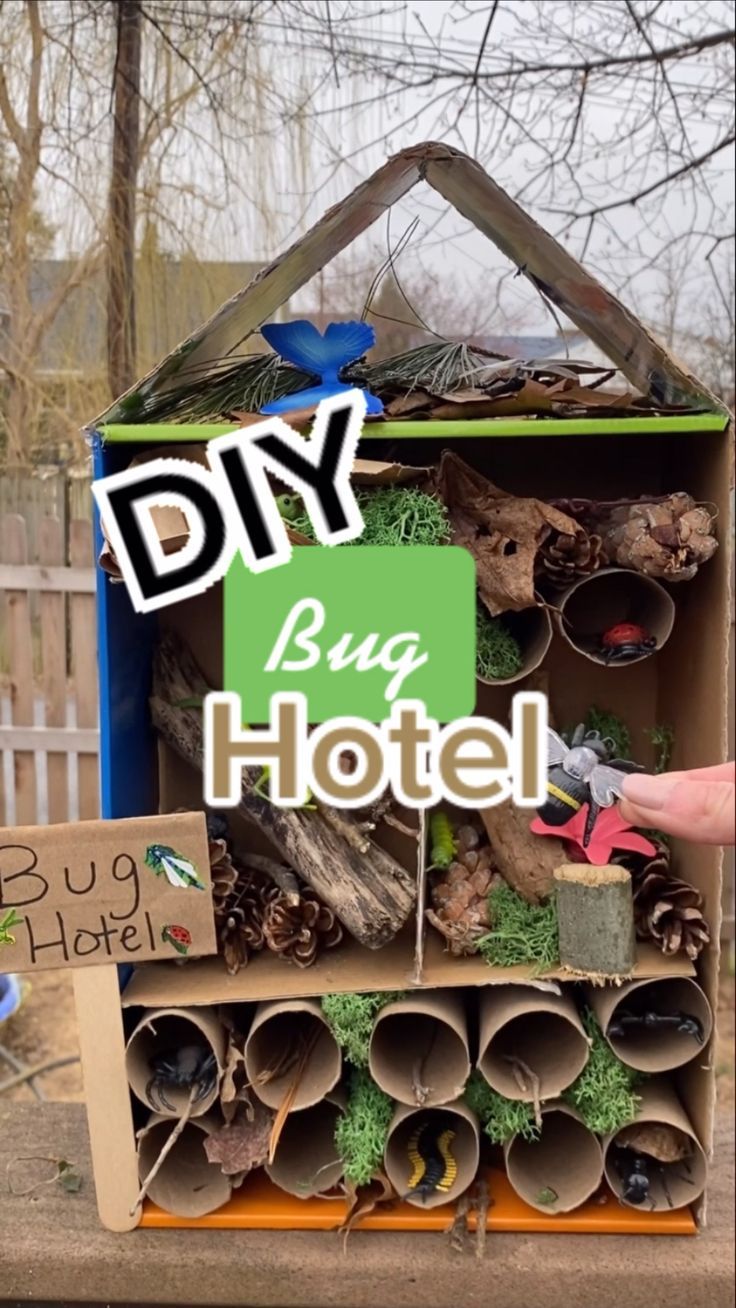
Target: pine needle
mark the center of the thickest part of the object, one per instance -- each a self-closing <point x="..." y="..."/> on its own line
<point x="287" y="1102"/>
<point x="246" y="385"/>
<point x="438" y="368"/>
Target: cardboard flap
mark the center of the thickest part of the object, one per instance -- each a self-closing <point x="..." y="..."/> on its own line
<point x="372" y="472"/>
<point x="466" y="185"/>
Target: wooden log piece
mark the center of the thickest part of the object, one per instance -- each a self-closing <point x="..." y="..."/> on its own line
<point x="596" y="920"/>
<point x="527" y="862"/>
<point x="366" y="888"/>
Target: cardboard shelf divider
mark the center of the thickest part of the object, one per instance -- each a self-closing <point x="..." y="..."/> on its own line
<point x="349" y="967"/>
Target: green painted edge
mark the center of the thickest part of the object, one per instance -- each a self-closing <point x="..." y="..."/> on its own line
<point x="182" y="432"/>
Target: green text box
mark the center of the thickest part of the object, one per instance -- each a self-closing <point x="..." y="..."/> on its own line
<point x="382" y="591"/>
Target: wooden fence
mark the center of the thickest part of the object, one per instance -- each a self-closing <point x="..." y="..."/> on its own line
<point x="48" y="684"/>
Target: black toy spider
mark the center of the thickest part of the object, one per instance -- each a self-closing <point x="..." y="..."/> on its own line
<point x="625" y="1023"/>
<point x="181" y="1069"/>
<point x="638" y="1171"/>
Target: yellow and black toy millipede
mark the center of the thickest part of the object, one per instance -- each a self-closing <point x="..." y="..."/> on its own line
<point x="434" y="1169"/>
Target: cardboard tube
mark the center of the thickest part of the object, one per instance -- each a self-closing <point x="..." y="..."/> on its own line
<point x="650" y="1049"/>
<point x="187" y="1184"/>
<point x="686" y="1179"/>
<point x="561" y="1169"/>
<point x="532" y="628"/>
<point x="464" y="1149"/>
<point x="164" y="1032"/>
<point x="541" y="1030"/>
<point x="280" y="1034"/>
<point x="596" y="603"/>
<point x="306" y="1162"/>
<point x="419" y="1049"/>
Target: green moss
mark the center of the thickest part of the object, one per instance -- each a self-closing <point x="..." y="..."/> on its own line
<point x="350" y="1018"/>
<point x="394" y="515"/>
<point x="521" y="932"/>
<point x="604" y="1092"/>
<point x="609" y="726"/>
<point x="362" y="1130"/>
<point x="499" y="1117"/>
<point x="663" y="739"/>
<point x="497" y="652"/>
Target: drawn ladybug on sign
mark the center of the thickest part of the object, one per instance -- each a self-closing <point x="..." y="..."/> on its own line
<point x="179" y="937"/>
<point x="627" y="640"/>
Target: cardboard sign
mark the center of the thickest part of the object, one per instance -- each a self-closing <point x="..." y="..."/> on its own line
<point x="124" y="891"/>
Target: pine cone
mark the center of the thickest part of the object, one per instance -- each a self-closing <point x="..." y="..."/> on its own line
<point x="240" y="928"/>
<point x="300" y="932"/>
<point x="668" y="537"/>
<point x="667" y="911"/>
<point x="459" y="893"/>
<point x="224" y="876"/>
<point x="563" y="557"/>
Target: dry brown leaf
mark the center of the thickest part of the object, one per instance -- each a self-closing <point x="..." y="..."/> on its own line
<point x="242" y="1145"/>
<point x="298" y="418"/>
<point x="569" y="392"/>
<point x="532" y="397"/>
<point x="364" y="1199"/>
<point x="503" y="532"/>
<point x="234" y="1084"/>
<point x="657" y="1139"/>
<point x="402" y="406"/>
<point x="297" y="537"/>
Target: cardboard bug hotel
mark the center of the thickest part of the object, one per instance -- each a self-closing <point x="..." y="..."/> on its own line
<point x="496" y="1017"/>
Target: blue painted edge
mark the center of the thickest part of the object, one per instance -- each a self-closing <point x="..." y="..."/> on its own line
<point x="125" y="643"/>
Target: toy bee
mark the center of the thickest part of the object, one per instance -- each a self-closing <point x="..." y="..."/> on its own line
<point x="582" y="773"/>
<point x="434" y="1168"/>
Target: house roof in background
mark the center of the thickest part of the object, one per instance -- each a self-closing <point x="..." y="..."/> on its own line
<point x="173" y="296"/>
<point x="464" y="184"/>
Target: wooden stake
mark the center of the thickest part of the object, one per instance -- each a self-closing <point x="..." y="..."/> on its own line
<point x="596" y="920"/>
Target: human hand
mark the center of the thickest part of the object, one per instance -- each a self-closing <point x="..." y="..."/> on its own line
<point x="697" y="805"/>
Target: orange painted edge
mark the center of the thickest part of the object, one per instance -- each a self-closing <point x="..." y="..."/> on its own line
<point x="261" y="1206"/>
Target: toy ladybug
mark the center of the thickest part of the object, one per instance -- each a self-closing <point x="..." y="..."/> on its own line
<point x="178" y="936"/>
<point x="627" y="640"/>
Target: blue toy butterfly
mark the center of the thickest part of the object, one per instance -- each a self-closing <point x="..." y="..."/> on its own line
<point x="301" y="343"/>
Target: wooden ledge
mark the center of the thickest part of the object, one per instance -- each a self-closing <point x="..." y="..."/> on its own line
<point x="53" y="1251"/>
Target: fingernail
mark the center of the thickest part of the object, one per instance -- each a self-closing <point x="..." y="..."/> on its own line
<point x="647" y="792"/>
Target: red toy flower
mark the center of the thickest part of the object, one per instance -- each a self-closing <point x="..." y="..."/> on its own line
<point x="609" y="832"/>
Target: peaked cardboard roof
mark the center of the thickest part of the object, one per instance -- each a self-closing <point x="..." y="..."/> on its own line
<point x="642" y="359"/>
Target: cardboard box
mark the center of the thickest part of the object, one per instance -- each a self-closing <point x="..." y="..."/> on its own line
<point x="684" y="685"/>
